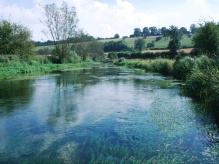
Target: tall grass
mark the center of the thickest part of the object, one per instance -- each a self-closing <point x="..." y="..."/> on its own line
<point x="201" y="76"/>
<point x="12" y="66"/>
<point x="163" y="66"/>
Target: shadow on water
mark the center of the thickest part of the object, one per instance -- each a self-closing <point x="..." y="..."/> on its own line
<point x="105" y="114"/>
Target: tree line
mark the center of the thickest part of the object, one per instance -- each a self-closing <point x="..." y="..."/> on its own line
<point x="154" y="31"/>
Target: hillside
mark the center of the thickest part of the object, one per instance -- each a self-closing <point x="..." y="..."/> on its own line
<point x="162" y="44"/>
<point x="186" y="42"/>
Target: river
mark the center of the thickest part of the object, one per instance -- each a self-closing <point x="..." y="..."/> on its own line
<point x="105" y="114"/>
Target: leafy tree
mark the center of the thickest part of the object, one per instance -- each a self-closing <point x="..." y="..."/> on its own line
<point x="184" y="30"/>
<point x="146" y="31"/>
<point x="163" y="30"/>
<point x="116" y="36"/>
<point x="115" y="46"/>
<point x="15" y="39"/>
<point x="193" y="28"/>
<point x="150" y="45"/>
<point x="206" y="39"/>
<point x="153" y="30"/>
<point x="92" y="50"/>
<point x="139" y="44"/>
<point x="61" y="23"/>
<point x="137" y="32"/>
<point x="175" y="36"/>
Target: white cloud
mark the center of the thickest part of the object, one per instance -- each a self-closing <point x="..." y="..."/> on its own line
<point x="197" y="2"/>
<point x="105" y="20"/>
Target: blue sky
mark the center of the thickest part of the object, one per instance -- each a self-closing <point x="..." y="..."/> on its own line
<point x="105" y="18"/>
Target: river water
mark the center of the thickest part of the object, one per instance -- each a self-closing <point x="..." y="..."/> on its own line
<point x="105" y="114"/>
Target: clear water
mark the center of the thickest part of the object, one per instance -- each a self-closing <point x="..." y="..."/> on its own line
<point x="103" y="115"/>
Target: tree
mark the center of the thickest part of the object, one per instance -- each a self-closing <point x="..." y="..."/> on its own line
<point x="116" y="36"/>
<point x="137" y="32"/>
<point x="206" y="39"/>
<point x="193" y="28"/>
<point x="184" y="30"/>
<point x="139" y="44"/>
<point x="15" y="39"/>
<point x="153" y="30"/>
<point x="175" y="36"/>
<point x="163" y="30"/>
<point x="115" y="46"/>
<point x="146" y="31"/>
<point x="61" y="23"/>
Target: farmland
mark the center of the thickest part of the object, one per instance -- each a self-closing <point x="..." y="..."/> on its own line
<point x="186" y="42"/>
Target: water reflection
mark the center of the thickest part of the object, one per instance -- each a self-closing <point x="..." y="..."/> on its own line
<point x="15" y="94"/>
<point x="104" y="115"/>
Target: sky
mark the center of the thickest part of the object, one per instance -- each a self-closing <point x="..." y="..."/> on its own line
<point x="105" y="18"/>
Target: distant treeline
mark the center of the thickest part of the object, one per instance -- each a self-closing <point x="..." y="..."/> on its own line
<point x="83" y="38"/>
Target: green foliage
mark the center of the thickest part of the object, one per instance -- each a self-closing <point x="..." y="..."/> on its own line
<point x="150" y="45"/>
<point x="92" y="50"/>
<point x="61" y="23"/>
<point x="12" y="66"/>
<point x="183" y="67"/>
<point x="139" y="44"/>
<point x="115" y="46"/>
<point x="206" y="39"/>
<point x="175" y="36"/>
<point x="72" y="57"/>
<point x="161" y="44"/>
<point x="201" y="76"/>
<point x="15" y="39"/>
<point x="158" y="38"/>
<point x="137" y="32"/>
<point x="112" y="56"/>
<point x="116" y="36"/>
<point x="203" y="85"/>
<point x="163" y="66"/>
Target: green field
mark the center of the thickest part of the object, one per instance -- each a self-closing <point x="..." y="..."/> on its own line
<point x="161" y="44"/>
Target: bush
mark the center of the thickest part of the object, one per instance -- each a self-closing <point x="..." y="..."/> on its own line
<point x="72" y="57"/>
<point x="183" y="67"/>
<point x="203" y="85"/>
<point x="150" y="45"/>
<point x="163" y="66"/>
<point x="15" y="39"/>
<point x="158" y="38"/>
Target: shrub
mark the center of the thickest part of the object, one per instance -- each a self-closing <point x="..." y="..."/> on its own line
<point x="203" y="85"/>
<point x="72" y="57"/>
<point x="158" y="38"/>
<point x="183" y="67"/>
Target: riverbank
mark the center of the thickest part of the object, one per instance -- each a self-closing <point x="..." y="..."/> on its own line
<point x="10" y="69"/>
<point x="200" y="75"/>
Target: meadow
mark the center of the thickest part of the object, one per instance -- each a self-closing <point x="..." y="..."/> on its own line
<point x="186" y="42"/>
<point x="11" y="66"/>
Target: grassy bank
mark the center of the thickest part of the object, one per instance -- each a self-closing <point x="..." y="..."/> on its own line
<point x="200" y="75"/>
<point x="163" y="66"/>
<point x="14" y="67"/>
